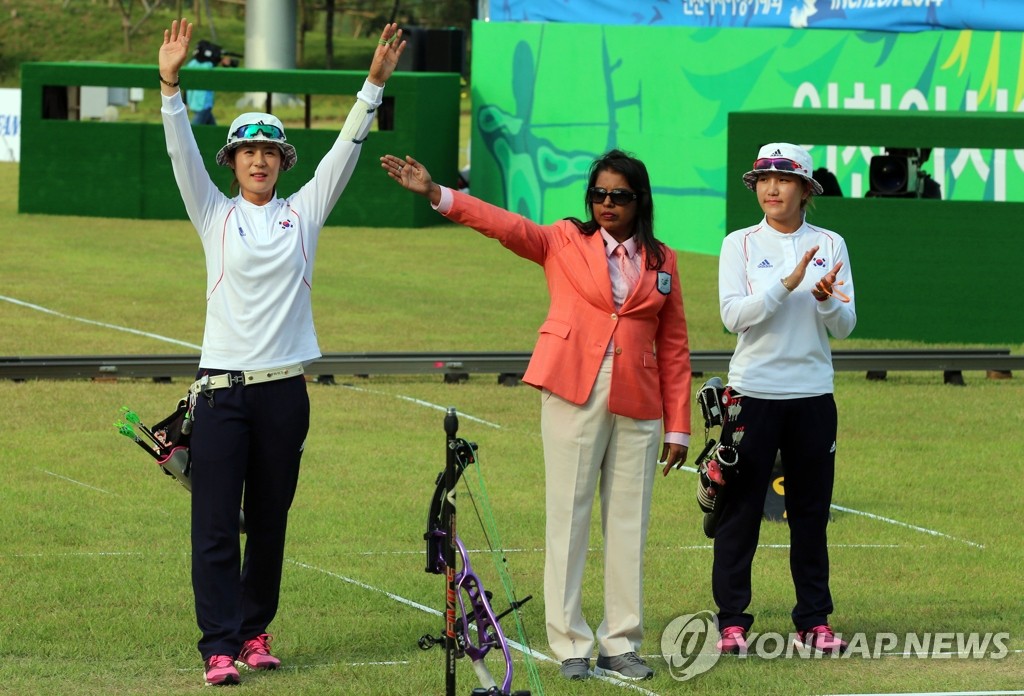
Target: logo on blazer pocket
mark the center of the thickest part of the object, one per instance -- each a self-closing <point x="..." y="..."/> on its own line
<point x="664" y="282"/>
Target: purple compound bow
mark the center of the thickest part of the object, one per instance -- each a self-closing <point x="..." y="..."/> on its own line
<point x="464" y="592"/>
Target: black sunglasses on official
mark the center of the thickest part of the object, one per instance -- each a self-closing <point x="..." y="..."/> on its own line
<point x="618" y="196"/>
<point x="254" y="129"/>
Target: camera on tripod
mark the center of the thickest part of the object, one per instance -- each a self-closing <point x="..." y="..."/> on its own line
<point x="209" y="52"/>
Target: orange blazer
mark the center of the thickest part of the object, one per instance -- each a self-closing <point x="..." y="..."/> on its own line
<point x="651" y="366"/>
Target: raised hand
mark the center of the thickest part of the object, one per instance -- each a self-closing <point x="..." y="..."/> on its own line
<point x="174" y="51"/>
<point x="389" y="49"/>
<point x="412" y="176"/>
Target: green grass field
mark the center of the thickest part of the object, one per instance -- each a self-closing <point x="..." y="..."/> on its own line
<point x="94" y="561"/>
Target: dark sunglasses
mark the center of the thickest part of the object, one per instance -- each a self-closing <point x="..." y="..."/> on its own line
<point x="618" y="196"/>
<point x="254" y="129"/>
<point x="780" y="164"/>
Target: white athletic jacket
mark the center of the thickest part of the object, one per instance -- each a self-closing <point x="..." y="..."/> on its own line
<point x="259" y="259"/>
<point x="782" y="348"/>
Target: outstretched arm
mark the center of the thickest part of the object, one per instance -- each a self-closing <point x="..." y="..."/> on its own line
<point x="173" y="54"/>
<point x="334" y="171"/>
<point x="519" y="234"/>
<point x="412" y="175"/>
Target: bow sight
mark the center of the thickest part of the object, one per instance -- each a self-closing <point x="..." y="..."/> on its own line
<point x="467" y="603"/>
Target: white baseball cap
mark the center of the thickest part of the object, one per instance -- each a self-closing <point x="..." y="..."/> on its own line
<point x="257" y="127"/>
<point x="782" y="157"/>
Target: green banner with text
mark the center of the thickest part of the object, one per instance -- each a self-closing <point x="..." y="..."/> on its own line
<point x="548" y="98"/>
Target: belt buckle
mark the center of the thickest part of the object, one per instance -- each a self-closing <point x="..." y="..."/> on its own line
<point x="202" y="386"/>
<point x="235" y="379"/>
<point x="205" y="389"/>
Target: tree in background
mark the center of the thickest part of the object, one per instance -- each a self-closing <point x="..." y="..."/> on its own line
<point x="362" y="17"/>
<point x="329" y="34"/>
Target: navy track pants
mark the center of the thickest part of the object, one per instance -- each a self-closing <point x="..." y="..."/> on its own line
<point x="246" y="447"/>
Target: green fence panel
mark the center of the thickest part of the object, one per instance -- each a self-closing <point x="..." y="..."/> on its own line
<point x="925" y="270"/>
<point x="71" y="167"/>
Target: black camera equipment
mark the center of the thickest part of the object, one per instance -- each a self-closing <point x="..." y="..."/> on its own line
<point x="898" y="174"/>
<point x="208" y="52"/>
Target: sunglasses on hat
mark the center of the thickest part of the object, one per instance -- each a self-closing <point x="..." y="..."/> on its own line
<point x="254" y="129"/>
<point x="780" y="164"/>
<point x="618" y="196"/>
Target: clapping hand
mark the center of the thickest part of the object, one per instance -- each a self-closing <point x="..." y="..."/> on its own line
<point x="827" y="286"/>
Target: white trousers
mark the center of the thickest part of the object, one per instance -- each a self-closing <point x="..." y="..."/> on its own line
<point x="586" y="447"/>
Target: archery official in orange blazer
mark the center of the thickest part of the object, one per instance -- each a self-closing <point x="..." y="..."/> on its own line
<point x="613" y="366"/>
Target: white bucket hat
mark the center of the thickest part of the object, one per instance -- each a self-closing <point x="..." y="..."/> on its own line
<point x="257" y="127"/>
<point x="783" y="157"/>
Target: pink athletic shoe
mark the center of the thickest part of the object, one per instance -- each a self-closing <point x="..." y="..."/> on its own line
<point x="733" y="640"/>
<point x="822" y="639"/>
<point x="255" y="653"/>
<point x="220" y="671"/>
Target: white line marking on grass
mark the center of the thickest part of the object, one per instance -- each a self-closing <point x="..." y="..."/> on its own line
<point x="945" y="693"/>
<point x="86" y="485"/>
<point x="420" y="402"/>
<point x="357" y="583"/>
<point x="71" y="553"/>
<point x="882" y="519"/>
<point x="593" y="549"/>
<point x="419" y="552"/>
<point x="377" y="663"/>
<point x="908" y="526"/>
<point x="834" y="546"/>
<point x="71" y="480"/>
<point x="416" y="605"/>
<point x="297" y="668"/>
<point x="99" y="323"/>
<point x="707" y="547"/>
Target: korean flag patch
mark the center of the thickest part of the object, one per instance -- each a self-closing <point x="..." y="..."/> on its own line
<point x="664" y="282"/>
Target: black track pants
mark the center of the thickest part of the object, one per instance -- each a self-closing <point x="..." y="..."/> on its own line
<point x="804" y="432"/>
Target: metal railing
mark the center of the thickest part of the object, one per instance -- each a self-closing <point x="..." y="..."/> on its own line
<point x="461" y="364"/>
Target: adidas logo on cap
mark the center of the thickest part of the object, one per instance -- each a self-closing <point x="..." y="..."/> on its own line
<point x="777" y="153"/>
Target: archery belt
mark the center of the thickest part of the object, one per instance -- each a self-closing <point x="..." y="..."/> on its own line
<point x="208" y="383"/>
